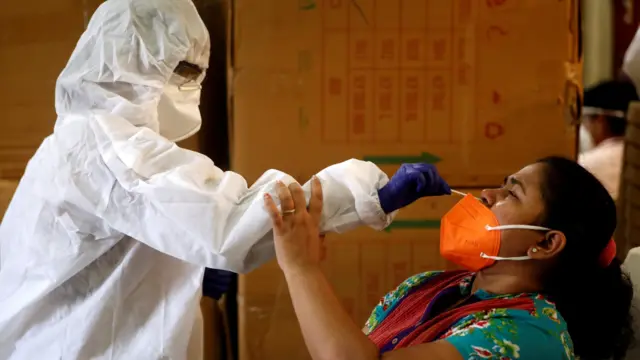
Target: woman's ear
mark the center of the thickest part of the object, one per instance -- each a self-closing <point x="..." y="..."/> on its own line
<point x="552" y="245"/>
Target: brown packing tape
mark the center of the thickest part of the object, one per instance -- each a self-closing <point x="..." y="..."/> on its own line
<point x="573" y="93"/>
<point x="574" y="37"/>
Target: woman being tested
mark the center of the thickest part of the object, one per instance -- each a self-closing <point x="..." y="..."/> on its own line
<point x="541" y="278"/>
<point x="104" y="246"/>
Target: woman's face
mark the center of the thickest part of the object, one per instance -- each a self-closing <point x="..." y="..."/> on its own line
<point x="518" y="202"/>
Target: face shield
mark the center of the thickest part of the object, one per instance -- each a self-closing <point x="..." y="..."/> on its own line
<point x="178" y="108"/>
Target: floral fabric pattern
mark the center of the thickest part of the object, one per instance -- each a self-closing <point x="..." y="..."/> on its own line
<point x="501" y="334"/>
<point x="389" y="301"/>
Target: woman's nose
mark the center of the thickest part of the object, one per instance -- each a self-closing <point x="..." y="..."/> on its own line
<point x="490" y="196"/>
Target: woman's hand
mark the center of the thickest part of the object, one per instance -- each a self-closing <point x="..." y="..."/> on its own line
<point x="296" y="229"/>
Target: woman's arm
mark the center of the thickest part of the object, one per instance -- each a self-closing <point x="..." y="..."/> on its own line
<point x="329" y="332"/>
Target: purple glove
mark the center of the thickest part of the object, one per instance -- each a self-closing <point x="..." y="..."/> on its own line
<point x="410" y="183"/>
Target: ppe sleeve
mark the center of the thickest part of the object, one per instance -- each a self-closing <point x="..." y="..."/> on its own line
<point x="179" y="203"/>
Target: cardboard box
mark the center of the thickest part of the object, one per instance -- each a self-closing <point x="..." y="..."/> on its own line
<point x="362" y="266"/>
<point x="7" y="188"/>
<point x="37" y="40"/>
<point x="476" y="86"/>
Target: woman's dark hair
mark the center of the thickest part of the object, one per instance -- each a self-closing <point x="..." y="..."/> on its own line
<point x="595" y="301"/>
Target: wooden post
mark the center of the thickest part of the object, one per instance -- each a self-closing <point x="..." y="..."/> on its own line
<point x="627" y="234"/>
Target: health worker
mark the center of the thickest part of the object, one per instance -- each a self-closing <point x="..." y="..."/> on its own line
<point x="104" y="246"/>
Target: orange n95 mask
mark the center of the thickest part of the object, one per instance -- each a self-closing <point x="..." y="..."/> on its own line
<point x="470" y="235"/>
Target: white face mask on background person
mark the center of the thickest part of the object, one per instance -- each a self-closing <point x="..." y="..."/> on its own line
<point x="178" y="109"/>
<point x="585" y="138"/>
<point x="586" y="142"/>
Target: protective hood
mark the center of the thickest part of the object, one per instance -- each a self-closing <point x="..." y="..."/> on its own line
<point x="123" y="66"/>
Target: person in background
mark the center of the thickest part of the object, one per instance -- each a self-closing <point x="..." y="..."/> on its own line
<point x="542" y="280"/>
<point x="602" y="130"/>
<point x="104" y="245"/>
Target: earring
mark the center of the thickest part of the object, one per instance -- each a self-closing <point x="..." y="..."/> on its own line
<point x="534" y="250"/>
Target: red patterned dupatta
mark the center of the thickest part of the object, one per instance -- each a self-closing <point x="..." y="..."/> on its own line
<point x="408" y="314"/>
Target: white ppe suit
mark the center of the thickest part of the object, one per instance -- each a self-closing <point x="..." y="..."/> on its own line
<point x="104" y="246"/>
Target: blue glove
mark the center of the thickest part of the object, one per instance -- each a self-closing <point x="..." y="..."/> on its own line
<point x="216" y="283"/>
<point x="410" y="183"/>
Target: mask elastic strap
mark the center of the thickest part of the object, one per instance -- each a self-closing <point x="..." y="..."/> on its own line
<point x="516" y="227"/>
<point x="498" y="258"/>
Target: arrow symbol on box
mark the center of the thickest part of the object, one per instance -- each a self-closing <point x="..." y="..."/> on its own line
<point x="413" y="224"/>
<point x="307" y="5"/>
<point x="425" y="157"/>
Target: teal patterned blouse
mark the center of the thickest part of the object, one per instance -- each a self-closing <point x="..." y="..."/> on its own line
<point x="496" y="334"/>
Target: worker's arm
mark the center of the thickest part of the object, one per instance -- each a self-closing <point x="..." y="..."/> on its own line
<point x="178" y="202"/>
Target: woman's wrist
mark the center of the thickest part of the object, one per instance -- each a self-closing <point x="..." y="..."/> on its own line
<point x="301" y="271"/>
